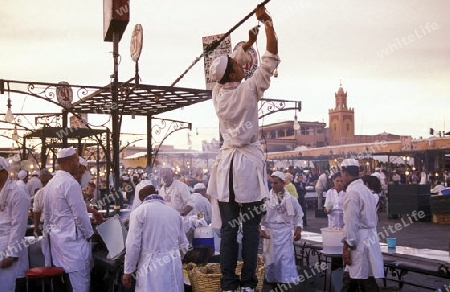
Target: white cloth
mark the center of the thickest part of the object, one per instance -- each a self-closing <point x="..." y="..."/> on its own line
<point x="335" y="204"/>
<point x="201" y="204"/>
<point x="423" y="178"/>
<point x="360" y="219"/>
<point x="153" y="245"/>
<point x="33" y="185"/>
<point x="14" y="206"/>
<point x="437" y="189"/>
<point x="177" y="195"/>
<point x="279" y="249"/>
<point x="21" y="184"/>
<point x="66" y="216"/>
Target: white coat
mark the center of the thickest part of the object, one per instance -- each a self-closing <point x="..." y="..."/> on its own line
<point x="153" y="245"/>
<point x="14" y="206"/>
<point x="66" y="217"/>
<point x="177" y="195"/>
<point x="201" y="204"/>
<point x="33" y="185"/>
<point x="335" y="213"/>
<point x="279" y="223"/>
<point x="360" y="219"/>
<point x="236" y="106"/>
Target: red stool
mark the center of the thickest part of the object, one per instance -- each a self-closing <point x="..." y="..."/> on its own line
<point x="44" y="273"/>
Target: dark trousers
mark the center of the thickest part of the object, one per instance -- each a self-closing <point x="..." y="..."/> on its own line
<point x="232" y="213"/>
<point x="364" y="285"/>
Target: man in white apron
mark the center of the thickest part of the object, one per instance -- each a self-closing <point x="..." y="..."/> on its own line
<point x="153" y="245"/>
<point x="283" y="216"/>
<point x="14" y="206"/>
<point x="238" y="182"/>
<point x="361" y="254"/>
<point x="66" y="217"/>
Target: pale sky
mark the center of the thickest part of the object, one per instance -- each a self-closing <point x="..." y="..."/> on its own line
<point x="393" y="56"/>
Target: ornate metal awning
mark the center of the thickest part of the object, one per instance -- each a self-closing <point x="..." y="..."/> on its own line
<point x="142" y="100"/>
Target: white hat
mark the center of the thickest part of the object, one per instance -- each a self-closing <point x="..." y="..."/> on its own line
<point x="125" y="177"/>
<point x="82" y="161"/>
<point x="136" y="175"/>
<point x="22" y="174"/>
<point x="218" y="67"/>
<point x="278" y="174"/>
<point x="65" y="152"/>
<point x="35" y="172"/>
<point x="377" y="169"/>
<point x="167" y="166"/>
<point x="4" y="164"/>
<point x="199" y="186"/>
<point x="350" y="162"/>
<point x="288" y="176"/>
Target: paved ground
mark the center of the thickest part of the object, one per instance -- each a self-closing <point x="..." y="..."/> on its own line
<point x="416" y="234"/>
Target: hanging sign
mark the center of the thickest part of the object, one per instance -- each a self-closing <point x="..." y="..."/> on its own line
<point x="64" y="94"/>
<point x="136" y="42"/>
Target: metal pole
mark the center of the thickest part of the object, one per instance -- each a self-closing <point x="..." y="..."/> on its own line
<point x="64" y="124"/>
<point x="115" y="124"/>
<point x="149" y="142"/>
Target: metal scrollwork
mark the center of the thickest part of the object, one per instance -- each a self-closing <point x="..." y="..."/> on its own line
<point x="271" y="106"/>
<point x="49" y="121"/>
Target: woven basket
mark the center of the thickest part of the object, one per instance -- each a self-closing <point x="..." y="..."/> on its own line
<point x="207" y="278"/>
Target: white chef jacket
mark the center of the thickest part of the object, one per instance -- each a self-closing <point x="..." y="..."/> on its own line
<point x="279" y="223"/>
<point x="177" y="195"/>
<point x="66" y="216"/>
<point x="153" y="245"/>
<point x="33" y="184"/>
<point x="360" y="219"/>
<point x="335" y="214"/>
<point x="14" y="206"/>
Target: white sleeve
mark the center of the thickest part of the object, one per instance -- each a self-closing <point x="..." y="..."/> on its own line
<point x="133" y="243"/>
<point x="260" y="81"/>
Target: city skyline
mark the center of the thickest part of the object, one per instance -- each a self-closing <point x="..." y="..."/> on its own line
<point x="392" y="57"/>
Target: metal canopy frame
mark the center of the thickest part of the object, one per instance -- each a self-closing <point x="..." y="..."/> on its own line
<point x="141" y="99"/>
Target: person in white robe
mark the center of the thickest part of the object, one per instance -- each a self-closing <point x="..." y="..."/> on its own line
<point x="22" y="176"/>
<point x="361" y="250"/>
<point x="14" y="206"/>
<point x="38" y="203"/>
<point x="201" y="203"/>
<point x="238" y="180"/>
<point x="155" y="245"/>
<point x="283" y="217"/>
<point x="34" y="183"/>
<point x="176" y="194"/>
<point x="334" y="202"/>
<point x="66" y="217"/>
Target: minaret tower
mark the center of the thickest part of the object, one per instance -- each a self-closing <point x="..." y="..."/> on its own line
<point x="341" y="120"/>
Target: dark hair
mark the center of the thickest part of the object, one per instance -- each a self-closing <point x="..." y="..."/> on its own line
<point x="228" y="71"/>
<point x="337" y="174"/>
<point x="352" y="170"/>
<point x="373" y="183"/>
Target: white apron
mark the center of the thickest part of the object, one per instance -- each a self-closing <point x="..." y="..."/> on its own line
<point x="365" y="259"/>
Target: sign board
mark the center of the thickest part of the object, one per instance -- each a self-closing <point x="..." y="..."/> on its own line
<point x="76" y="123"/>
<point x="116" y="15"/>
<point x="223" y="49"/>
<point x="64" y="94"/>
<point x="136" y="42"/>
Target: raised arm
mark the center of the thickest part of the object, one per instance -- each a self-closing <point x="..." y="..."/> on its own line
<point x="272" y="41"/>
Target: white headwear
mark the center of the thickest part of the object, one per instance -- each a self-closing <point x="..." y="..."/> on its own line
<point x="218" y="67"/>
<point x="125" y="177"/>
<point x="82" y="161"/>
<point x="288" y="176"/>
<point x="350" y="162"/>
<point x="4" y="164"/>
<point x="136" y="175"/>
<point x="167" y="166"/>
<point x="65" y="152"/>
<point x="199" y="186"/>
<point x="22" y="174"/>
<point x="35" y="173"/>
<point x="278" y="174"/>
